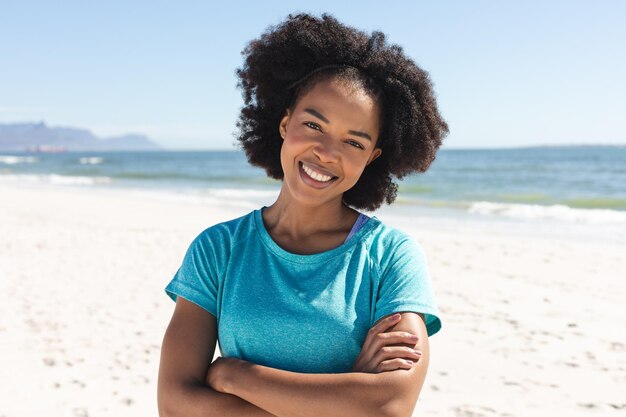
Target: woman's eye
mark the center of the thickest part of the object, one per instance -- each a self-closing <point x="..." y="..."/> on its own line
<point x="356" y="144"/>
<point x="312" y="125"/>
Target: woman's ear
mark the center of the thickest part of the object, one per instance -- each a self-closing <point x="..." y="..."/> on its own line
<point x="282" y="127"/>
<point x="377" y="152"/>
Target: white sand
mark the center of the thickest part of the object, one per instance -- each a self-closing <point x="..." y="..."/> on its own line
<point x="532" y="326"/>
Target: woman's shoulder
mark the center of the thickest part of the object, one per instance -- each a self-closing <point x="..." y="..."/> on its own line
<point x="385" y="241"/>
<point x="385" y="234"/>
<point x="228" y="230"/>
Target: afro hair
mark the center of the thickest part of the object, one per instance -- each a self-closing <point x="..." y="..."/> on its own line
<point x="304" y="49"/>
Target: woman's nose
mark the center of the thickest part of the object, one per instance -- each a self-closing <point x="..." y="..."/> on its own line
<point x="326" y="150"/>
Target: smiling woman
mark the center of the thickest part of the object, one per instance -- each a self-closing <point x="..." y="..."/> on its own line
<point x="319" y="309"/>
<point x="332" y="146"/>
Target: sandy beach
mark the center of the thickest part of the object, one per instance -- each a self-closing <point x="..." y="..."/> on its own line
<point x="532" y="323"/>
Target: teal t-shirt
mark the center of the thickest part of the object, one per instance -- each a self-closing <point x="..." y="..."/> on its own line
<point x="302" y="313"/>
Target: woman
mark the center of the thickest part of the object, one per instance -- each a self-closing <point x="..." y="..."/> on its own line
<point x="303" y="293"/>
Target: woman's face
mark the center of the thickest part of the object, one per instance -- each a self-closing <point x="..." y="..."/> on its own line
<point x="328" y="140"/>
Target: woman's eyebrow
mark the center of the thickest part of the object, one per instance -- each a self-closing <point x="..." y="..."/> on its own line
<point x="325" y="120"/>
<point x="317" y="114"/>
<point x="360" y="134"/>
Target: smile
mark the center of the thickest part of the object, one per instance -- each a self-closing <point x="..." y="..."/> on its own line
<point x="314" y="178"/>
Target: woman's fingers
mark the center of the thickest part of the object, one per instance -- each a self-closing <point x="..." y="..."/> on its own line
<point x="393" y="364"/>
<point x="377" y="337"/>
<point x="393" y="338"/>
<point x="380" y="328"/>
<point x="401" y="353"/>
<point x="379" y="352"/>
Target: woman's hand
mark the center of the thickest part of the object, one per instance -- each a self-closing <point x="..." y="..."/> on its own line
<point x="378" y="354"/>
<point x="222" y="373"/>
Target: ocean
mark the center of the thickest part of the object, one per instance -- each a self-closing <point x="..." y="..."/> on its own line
<point x="577" y="184"/>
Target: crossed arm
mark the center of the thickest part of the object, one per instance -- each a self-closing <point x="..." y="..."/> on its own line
<point x="232" y="387"/>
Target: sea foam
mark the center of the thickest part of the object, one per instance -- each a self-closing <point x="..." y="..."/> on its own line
<point x="53" y="179"/>
<point x="12" y="159"/>
<point x="92" y="160"/>
<point x="552" y="212"/>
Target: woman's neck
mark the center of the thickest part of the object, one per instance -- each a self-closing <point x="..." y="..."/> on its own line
<point x="297" y="221"/>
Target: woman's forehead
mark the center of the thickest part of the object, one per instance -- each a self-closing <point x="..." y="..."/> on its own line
<point x="342" y="98"/>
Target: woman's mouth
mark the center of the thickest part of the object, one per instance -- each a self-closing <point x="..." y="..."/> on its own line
<point x="314" y="178"/>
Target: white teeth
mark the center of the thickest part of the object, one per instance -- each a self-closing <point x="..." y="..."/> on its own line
<point x="315" y="175"/>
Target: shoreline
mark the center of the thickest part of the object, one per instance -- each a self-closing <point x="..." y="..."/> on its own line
<point x="433" y="218"/>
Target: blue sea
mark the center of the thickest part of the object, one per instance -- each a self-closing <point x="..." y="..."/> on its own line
<point x="578" y="184"/>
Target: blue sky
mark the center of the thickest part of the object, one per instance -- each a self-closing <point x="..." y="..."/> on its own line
<point x="506" y="74"/>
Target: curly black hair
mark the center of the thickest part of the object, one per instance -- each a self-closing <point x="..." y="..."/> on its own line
<point x="412" y="129"/>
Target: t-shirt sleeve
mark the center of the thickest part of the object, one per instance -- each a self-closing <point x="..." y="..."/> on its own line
<point x="196" y="278"/>
<point x="405" y="286"/>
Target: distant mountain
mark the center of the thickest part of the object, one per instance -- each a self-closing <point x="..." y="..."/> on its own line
<point x="33" y="136"/>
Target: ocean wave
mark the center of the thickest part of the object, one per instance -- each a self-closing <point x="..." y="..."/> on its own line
<point x="552" y="212"/>
<point x="240" y="198"/>
<point x="593" y="203"/>
<point x="194" y="177"/>
<point x="53" y="179"/>
<point x="414" y="189"/>
<point x="242" y="193"/>
<point x="91" y="160"/>
<point x="12" y="159"/>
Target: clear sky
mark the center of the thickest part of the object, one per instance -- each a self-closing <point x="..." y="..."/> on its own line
<point x="506" y="74"/>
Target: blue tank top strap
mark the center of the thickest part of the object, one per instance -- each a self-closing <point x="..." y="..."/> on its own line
<point x="360" y="221"/>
